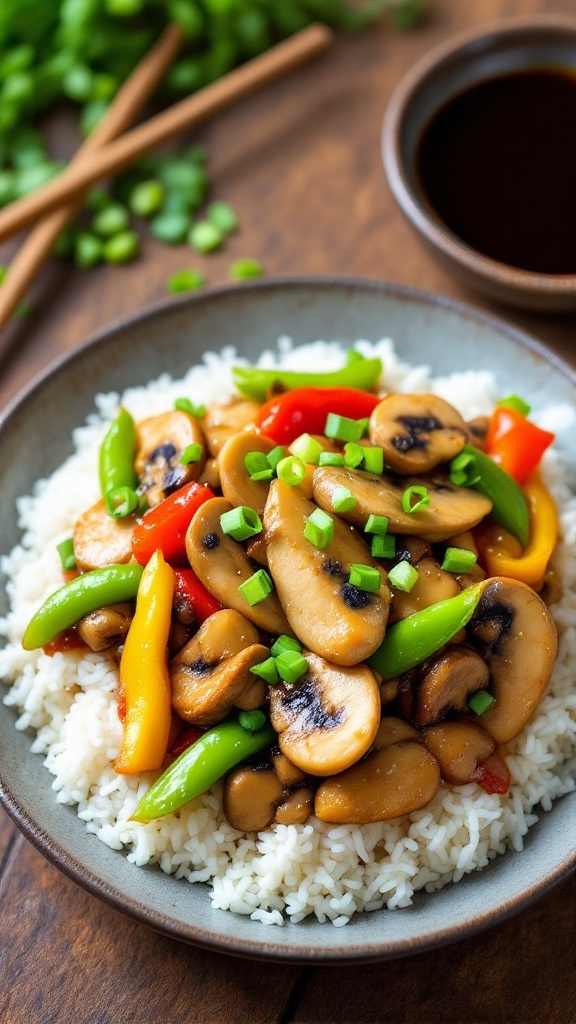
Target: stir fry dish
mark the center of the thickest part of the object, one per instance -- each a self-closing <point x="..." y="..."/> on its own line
<point x="331" y="599"/>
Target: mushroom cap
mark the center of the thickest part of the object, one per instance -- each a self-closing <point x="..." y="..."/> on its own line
<point x="447" y="681"/>
<point x="237" y="487"/>
<point x="417" y="432"/>
<point x="160" y="442"/>
<point x="100" y="539"/>
<point x="459" y="747"/>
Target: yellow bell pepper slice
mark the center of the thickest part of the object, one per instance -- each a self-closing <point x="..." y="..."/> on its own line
<point x="502" y="554"/>
<point x="144" y="673"/>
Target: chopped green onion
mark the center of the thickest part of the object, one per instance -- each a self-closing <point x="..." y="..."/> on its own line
<point x="464" y="471"/>
<point x="275" y="456"/>
<point x="192" y="453"/>
<point x="291" y="470"/>
<point x="403" y="576"/>
<point x="111" y="220"/>
<point x="330" y="459"/>
<point x="373" y="460"/>
<point x="319" y="529"/>
<point x="121" y="502"/>
<point x="243" y="270"/>
<point x="223" y="215"/>
<point x="342" y="499"/>
<point x="458" y="560"/>
<point x="365" y="577"/>
<point x="344" y="429"/>
<point x="185" y="281"/>
<point x="306" y="448"/>
<point x="285" y="643"/>
<point x="186" y="405"/>
<point x="256" y="462"/>
<point x="240" y="523"/>
<point x="262" y="474"/>
<point x="146" y="198"/>
<point x="383" y="547"/>
<point x="170" y="226"/>
<point x="88" y="250"/>
<point x="256" y="588"/>
<point x="480" y="701"/>
<point x="121" y="248"/>
<point x="252" y="721"/>
<point x="66" y="551"/>
<point x="353" y="455"/>
<point x="377" y="525"/>
<point x="291" y="666"/>
<point x="515" y="402"/>
<point x="267" y="671"/>
<point x="415" y="499"/>
<point x="205" y="237"/>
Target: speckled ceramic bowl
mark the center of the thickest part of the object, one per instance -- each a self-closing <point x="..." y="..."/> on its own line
<point x="534" y="41"/>
<point x="426" y="329"/>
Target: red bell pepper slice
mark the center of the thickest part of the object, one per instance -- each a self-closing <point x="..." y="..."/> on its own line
<point x="493" y="775"/>
<point x="69" y="640"/>
<point x="516" y="444"/>
<point x="164" y="526"/>
<point x="184" y="739"/>
<point x="189" y="591"/>
<point x="304" y="411"/>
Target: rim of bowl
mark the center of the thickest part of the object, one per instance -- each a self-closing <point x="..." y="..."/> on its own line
<point x="71" y="864"/>
<point x="440" y="237"/>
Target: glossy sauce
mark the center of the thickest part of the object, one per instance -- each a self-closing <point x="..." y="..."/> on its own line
<point x="497" y="164"/>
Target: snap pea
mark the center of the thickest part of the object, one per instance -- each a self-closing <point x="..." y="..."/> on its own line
<point x="116" y="465"/>
<point x="410" y="641"/>
<point x="200" y="766"/>
<point x="85" y="594"/>
<point x="509" y="505"/>
<point x="255" y="382"/>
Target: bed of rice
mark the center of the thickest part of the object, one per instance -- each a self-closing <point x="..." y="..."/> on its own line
<point x="68" y="701"/>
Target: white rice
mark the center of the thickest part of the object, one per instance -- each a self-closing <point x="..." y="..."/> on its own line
<point x="293" y="871"/>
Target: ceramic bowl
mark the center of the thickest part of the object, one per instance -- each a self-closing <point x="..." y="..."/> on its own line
<point x="427" y="329"/>
<point x="531" y="42"/>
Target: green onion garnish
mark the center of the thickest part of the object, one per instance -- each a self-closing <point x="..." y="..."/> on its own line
<point x="263" y="474"/>
<point x="240" y="523"/>
<point x="319" y="529"/>
<point x="251" y="721"/>
<point x="517" y="403"/>
<point x="185" y="405"/>
<point x="373" y="460"/>
<point x="192" y="453"/>
<point x="256" y="588"/>
<point x="353" y="455"/>
<point x="377" y="525"/>
<point x="291" y="666"/>
<point x="365" y="577"/>
<point x="267" y="671"/>
<point x="344" y="429"/>
<point x="458" y="560"/>
<point x="66" y="551"/>
<point x="291" y="470"/>
<point x="306" y="448"/>
<point x="274" y="457"/>
<point x="415" y="499"/>
<point x="256" y="462"/>
<point x="403" y="576"/>
<point x="330" y="459"/>
<point x="342" y="499"/>
<point x="285" y="643"/>
<point x="480" y="701"/>
<point x="383" y="547"/>
<point x="121" y="502"/>
<point x="464" y="471"/>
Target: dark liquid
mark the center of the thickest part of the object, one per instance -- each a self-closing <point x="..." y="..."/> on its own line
<point x="498" y="165"/>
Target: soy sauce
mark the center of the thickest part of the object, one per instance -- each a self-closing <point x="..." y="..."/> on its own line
<point x="497" y="164"/>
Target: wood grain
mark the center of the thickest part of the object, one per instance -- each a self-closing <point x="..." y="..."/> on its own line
<point x="301" y="163"/>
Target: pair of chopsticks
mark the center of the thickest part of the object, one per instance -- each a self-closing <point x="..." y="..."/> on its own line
<point x="108" y="151"/>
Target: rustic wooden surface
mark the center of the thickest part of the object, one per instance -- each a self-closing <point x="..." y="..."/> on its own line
<point x="301" y="163"/>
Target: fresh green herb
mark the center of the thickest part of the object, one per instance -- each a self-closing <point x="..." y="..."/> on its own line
<point x="88" y="250"/>
<point x="275" y="456"/>
<point x="252" y="721"/>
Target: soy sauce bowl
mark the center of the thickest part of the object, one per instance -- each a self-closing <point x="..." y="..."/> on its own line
<point x="518" y="45"/>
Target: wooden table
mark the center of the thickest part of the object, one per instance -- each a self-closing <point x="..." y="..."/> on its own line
<point x="301" y="163"/>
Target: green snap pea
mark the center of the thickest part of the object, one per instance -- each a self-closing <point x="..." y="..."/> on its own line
<point x="509" y="505"/>
<point x="116" y="460"/>
<point x="410" y="641"/>
<point x="200" y="766"/>
<point x="85" y="594"/>
<point x="255" y="383"/>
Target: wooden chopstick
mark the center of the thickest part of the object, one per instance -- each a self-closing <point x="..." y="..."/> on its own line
<point x="130" y="99"/>
<point x="117" y="155"/>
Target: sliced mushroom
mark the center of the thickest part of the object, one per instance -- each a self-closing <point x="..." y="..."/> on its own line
<point x="515" y="634"/>
<point x="288" y="773"/>
<point x="417" y="432"/>
<point x="451" y="508"/>
<point x="237" y="487"/>
<point x="106" y="626"/>
<point x="211" y="674"/>
<point x="394" y="730"/>
<point x="329" y="718"/>
<point x="161" y="440"/>
<point x="210" y="475"/>
<point x="296" y="808"/>
<point x="251" y="796"/>
<point x="331" y="617"/>
<point x="222" y="421"/>
<point x="222" y="565"/>
<point x="395" y="780"/>
<point x="478" y="431"/>
<point x="448" y="680"/>
<point x="100" y="540"/>
<point x="459" y="747"/>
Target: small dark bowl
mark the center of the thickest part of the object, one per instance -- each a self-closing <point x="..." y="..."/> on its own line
<point x="519" y="44"/>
